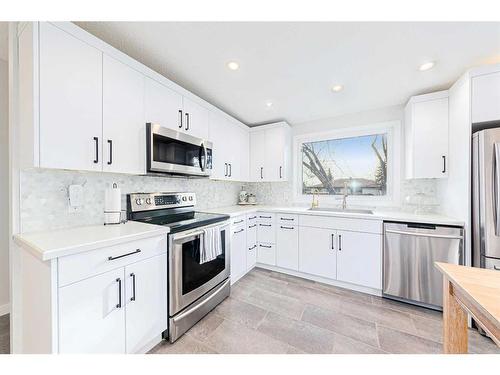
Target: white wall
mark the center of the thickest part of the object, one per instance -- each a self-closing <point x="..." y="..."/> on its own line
<point x="4" y="189"/>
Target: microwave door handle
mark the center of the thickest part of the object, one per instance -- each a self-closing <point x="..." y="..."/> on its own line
<point x="496" y="187"/>
<point x="203" y="150"/>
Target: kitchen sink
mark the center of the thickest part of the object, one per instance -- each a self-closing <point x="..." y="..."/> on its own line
<point x="340" y="210"/>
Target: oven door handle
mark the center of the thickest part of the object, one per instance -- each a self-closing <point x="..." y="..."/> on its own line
<point x="193" y="234"/>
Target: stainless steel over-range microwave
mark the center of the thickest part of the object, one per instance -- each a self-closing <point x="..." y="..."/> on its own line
<point x="173" y="152"/>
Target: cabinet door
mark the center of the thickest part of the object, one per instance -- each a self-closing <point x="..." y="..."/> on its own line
<point x="91" y="318"/>
<point x="238" y="140"/>
<point x="258" y="156"/>
<point x="430" y="138"/>
<point x="162" y="105"/>
<point x="146" y="301"/>
<point x="266" y="254"/>
<point x="359" y="258"/>
<point x="275" y="154"/>
<point x="124" y="129"/>
<point x="251" y="242"/>
<point x="317" y="252"/>
<point x="266" y="232"/>
<point x="287" y="246"/>
<point x="238" y="252"/>
<point x="195" y="119"/>
<point x="486" y="98"/>
<point x="222" y="148"/>
<point x="70" y="102"/>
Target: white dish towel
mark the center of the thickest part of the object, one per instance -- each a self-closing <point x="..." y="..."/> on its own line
<point x="210" y="245"/>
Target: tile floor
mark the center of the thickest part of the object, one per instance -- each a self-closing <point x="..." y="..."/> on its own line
<point x="270" y="312"/>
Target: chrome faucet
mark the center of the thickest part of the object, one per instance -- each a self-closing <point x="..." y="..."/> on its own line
<point x="344" y="196"/>
<point x="315" y="201"/>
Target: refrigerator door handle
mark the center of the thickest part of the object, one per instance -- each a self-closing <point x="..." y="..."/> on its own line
<point x="496" y="187"/>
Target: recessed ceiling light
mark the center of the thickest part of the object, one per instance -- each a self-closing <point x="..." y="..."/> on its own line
<point x="269" y="104"/>
<point x="426" y="66"/>
<point x="337" y="88"/>
<point x="233" y="65"/>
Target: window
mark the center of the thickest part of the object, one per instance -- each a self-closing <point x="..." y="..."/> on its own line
<point x="355" y="165"/>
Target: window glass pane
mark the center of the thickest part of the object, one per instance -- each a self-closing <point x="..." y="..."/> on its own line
<point x="358" y="164"/>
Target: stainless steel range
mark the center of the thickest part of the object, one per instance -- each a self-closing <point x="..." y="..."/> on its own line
<point x="199" y="248"/>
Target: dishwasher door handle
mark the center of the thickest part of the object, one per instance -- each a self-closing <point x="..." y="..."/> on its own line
<point x="424" y="234"/>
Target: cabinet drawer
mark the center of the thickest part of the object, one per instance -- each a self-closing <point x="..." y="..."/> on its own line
<point x="238" y="220"/>
<point x="341" y="223"/>
<point x="287" y="219"/>
<point x="266" y="254"/>
<point x="266" y="217"/>
<point x="77" y="267"/>
<point x="266" y="232"/>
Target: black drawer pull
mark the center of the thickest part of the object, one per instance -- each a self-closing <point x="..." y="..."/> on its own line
<point x="252" y="226"/>
<point x="125" y="255"/>
<point x="496" y="268"/>
<point x="287" y="218"/>
<point x="239" y="221"/>
<point x="265" y="217"/>
<point x="253" y="247"/>
<point x="265" y="225"/>
<point x="282" y="227"/>
<point x="119" y="305"/>
<point x="252" y="218"/>
<point x="239" y="231"/>
<point x="268" y="247"/>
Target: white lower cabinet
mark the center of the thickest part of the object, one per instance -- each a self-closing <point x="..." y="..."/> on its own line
<point x="146" y="301"/>
<point x="287" y="246"/>
<point x="359" y="258"/>
<point x="266" y="254"/>
<point x="317" y="253"/>
<point x="92" y="315"/>
<point x="238" y="252"/>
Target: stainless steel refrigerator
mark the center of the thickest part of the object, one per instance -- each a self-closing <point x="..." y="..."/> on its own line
<point x="486" y="199"/>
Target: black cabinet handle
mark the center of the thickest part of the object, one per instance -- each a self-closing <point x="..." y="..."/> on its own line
<point x="252" y="218"/>
<point x="110" y="142"/>
<point x="239" y="221"/>
<point x="287" y="218"/>
<point x="444" y="164"/>
<point x="253" y="247"/>
<point x="281" y="174"/>
<point x="96" y="140"/>
<point x="265" y="225"/>
<point x="265" y="217"/>
<point x="125" y="255"/>
<point x="261" y="173"/>
<point x="268" y="247"/>
<point x="340" y="242"/>
<point x="282" y="227"/>
<point x="496" y="268"/>
<point x="230" y="170"/>
<point x="252" y="226"/>
<point x="333" y="242"/>
<point x="239" y="231"/>
<point x="132" y="275"/>
<point x="180" y="117"/>
<point x="187" y="121"/>
<point x="119" y="281"/>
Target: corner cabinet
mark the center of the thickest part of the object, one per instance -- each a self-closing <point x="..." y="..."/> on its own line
<point x="486" y="96"/>
<point x="270" y="152"/>
<point x="426" y="136"/>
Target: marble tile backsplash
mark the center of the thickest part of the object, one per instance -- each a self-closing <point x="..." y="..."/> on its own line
<point x="45" y="201"/>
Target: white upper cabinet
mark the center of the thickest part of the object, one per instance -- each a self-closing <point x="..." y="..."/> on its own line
<point x="486" y="97"/>
<point x="195" y="119"/>
<point x="124" y="129"/>
<point x="426" y="136"/>
<point x="162" y="105"/>
<point x="270" y="152"/>
<point x="231" y="149"/>
<point x="70" y="101"/>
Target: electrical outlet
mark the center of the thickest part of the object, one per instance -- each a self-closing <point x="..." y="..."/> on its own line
<point x="75" y="193"/>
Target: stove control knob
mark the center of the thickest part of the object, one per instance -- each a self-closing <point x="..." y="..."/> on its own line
<point x="190" y="197"/>
<point x="148" y="200"/>
<point x="138" y="201"/>
<point x="184" y="198"/>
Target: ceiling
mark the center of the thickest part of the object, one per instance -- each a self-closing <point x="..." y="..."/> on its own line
<point x="294" y="65"/>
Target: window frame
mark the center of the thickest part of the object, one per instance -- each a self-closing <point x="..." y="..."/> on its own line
<point x="394" y="163"/>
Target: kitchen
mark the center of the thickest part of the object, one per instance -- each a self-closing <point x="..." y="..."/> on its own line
<point x="319" y="231"/>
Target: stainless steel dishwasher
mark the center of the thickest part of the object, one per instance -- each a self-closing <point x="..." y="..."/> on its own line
<point x="410" y="250"/>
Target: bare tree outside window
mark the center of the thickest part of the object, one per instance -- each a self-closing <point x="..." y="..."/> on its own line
<point x="360" y="161"/>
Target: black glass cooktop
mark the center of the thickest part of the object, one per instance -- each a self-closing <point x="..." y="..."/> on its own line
<point x="178" y="219"/>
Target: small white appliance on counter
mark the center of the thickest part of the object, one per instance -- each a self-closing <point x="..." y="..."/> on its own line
<point x="112" y="205"/>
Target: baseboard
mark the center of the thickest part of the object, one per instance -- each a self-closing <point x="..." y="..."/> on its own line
<point x="5" y="309"/>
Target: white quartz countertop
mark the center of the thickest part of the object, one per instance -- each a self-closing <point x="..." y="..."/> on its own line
<point x="377" y="214"/>
<point x="62" y="242"/>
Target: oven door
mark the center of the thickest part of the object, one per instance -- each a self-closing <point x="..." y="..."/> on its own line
<point x="170" y="151"/>
<point x="188" y="279"/>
